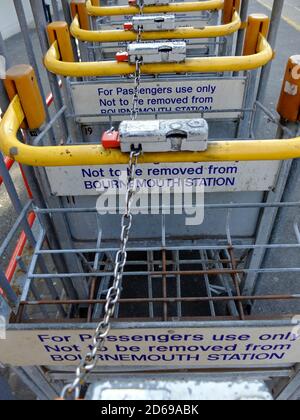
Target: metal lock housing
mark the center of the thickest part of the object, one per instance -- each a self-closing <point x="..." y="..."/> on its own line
<point x="153" y="23"/>
<point x="157" y="52"/>
<point x="164" y="136"/>
<point x="143" y="3"/>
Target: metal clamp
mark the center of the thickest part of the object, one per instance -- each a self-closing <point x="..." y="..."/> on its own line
<point x="164" y="135"/>
<point x="154" y="52"/>
<point x="151" y="23"/>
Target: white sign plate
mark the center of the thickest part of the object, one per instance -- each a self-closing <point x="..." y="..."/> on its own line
<point x="195" y="347"/>
<point x="96" y="102"/>
<point x="216" y="177"/>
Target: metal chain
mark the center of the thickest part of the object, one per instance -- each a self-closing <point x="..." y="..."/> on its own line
<point x="90" y="361"/>
<point x="137" y="84"/>
<point x="141" y="6"/>
<point x="72" y="391"/>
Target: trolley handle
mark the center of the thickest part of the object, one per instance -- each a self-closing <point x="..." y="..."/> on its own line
<point x="54" y="64"/>
<point x="180" y="33"/>
<point x="168" y="8"/>
<point x="93" y="154"/>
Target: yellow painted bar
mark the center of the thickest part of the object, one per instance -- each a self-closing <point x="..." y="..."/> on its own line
<point x="229" y="7"/>
<point x="21" y="80"/>
<point x="192" y="65"/>
<point x="179" y="33"/>
<point x="171" y="8"/>
<point x="87" y="154"/>
<point x="59" y="31"/>
<point x="257" y="24"/>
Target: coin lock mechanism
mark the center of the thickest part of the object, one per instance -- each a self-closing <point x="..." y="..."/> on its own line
<point x="154" y="52"/>
<point x="148" y="23"/>
<point x="159" y="136"/>
<point x="142" y="3"/>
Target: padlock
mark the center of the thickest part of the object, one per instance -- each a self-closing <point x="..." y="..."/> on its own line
<point x="154" y="52"/>
<point x="142" y="3"/>
<point x="164" y="135"/>
<point x="111" y="139"/>
<point x="151" y="23"/>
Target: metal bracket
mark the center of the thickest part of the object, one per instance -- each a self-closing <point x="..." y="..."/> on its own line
<point x="164" y="136"/>
<point x="151" y="23"/>
<point x="154" y="52"/>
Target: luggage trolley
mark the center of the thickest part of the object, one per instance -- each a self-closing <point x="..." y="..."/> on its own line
<point x="206" y="30"/>
<point x="194" y="301"/>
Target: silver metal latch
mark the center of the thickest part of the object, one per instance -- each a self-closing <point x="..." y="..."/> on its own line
<point x="154" y="52"/>
<point x="164" y="135"/>
<point x="142" y="3"/>
<point x="151" y="23"/>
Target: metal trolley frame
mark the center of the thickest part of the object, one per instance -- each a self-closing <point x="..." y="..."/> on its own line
<point x="201" y="281"/>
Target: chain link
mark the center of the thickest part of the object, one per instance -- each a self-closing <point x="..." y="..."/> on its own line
<point x="137" y="83"/>
<point x="89" y="363"/>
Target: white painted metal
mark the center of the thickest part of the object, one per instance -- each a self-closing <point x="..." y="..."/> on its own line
<point x="222" y="177"/>
<point x="164" y="135"/>
<point x="94" y="102"/>
<point x="181" y="347"/>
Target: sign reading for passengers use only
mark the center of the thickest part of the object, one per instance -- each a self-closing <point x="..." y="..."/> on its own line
<point x="214" y="177"/>
<point x="163" y="348"/>
<point x="94" y="102"/>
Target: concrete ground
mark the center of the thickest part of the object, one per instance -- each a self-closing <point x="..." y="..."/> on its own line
<point x="288" y="44"/>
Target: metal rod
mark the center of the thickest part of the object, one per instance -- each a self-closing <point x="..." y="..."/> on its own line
<point x="206" y="206"/>
<point x="47" y="223"/>
<point x="207" y="285"/>
<point x="32" y="57"/>
<point x="20" y="219"/>
<point x="236" y="283"/>
<point x="174" y="248"/>
<point x="68" y="19"/>
<point x="55" y="8"/>
<point x="167" y="300"/>
<point x="49" y="126"/>
<point x="171" y="274"/>
<point x="164" y="284"/>
<point x="150" y="261"/>
<point x="4" y="52"/>
<point x="14" y="198"/>
<point x="244" y="16"/>
<point x="41" y="24"/>
<point x="272" y="38"/>
<point x="49" y="280"/>
<point x="178" y="281"/>
<point x="11" y="297"/>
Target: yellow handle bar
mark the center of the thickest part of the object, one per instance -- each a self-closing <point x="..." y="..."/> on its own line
<point x="88" y="154"/>
<point x="179" y="33"/>
<point x="170" y="8"/>
<point x="192" y="65"/>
